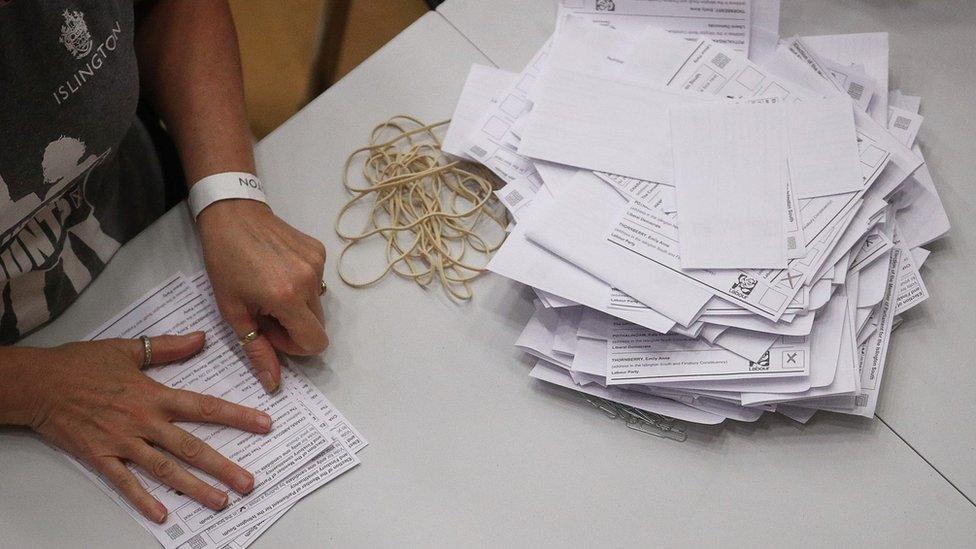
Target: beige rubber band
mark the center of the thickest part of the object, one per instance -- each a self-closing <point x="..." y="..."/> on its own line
<point x="428" y="207"/>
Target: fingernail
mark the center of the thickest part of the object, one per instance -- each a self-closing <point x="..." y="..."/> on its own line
<point x="244" y="482"/>
<point x="268" y="382"/>
<point x="218" y="500"/>
<point x="264" y="422"/>
<point x="159" y="515"/>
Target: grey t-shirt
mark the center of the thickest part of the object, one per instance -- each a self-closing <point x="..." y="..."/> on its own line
<point x="79" y="175"/>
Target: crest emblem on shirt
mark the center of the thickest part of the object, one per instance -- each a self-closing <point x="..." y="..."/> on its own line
<point x="74" y="34"/>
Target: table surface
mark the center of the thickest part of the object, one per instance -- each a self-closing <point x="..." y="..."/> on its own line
<point x="465" y="449"/>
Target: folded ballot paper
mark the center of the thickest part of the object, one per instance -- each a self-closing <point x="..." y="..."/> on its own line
<point x="717" y="222"/>
<point x="310" y="444"/>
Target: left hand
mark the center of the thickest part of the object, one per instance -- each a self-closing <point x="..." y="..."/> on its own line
<point x="266" y="276"/>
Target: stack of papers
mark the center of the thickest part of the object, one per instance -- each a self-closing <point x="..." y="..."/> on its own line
<point x="310" y="444"/>
<point x="717" y="222"/>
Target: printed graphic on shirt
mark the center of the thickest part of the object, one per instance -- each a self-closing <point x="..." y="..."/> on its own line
<point x="35" y="227"/>
<point x="75" y="35"/>
<point x="77" y="180"/>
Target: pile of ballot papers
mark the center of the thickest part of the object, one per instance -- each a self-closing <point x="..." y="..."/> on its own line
<point x="310" y="444"/>
<point x="717" y="222"/>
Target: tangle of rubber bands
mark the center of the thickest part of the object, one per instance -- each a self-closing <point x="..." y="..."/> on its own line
<point x="430" y="208"/>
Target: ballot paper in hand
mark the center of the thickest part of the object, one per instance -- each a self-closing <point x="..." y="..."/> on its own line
<point x="299" y="436"/>
<point x="243" y="527"/>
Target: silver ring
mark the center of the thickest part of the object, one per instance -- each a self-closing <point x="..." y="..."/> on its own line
<point x="147" y="347"/>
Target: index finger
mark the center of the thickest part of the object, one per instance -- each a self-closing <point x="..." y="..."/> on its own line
<point x="303" y="326"/>
<point x="260" y="352"/>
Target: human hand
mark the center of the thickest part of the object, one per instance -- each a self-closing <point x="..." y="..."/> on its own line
<point x="92" y="400"/>
<point x="266" y="276"/>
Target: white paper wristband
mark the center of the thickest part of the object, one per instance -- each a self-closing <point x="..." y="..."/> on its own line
<point x="225" y="186"/>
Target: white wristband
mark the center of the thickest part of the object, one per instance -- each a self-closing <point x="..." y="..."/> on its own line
<point x="224" y="186"/>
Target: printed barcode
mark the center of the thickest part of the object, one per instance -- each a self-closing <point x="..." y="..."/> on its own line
<point x="721" y="60"/>
<point x="514" y="198"/>
<point x="791" y="242"/>
<point x="478" y="151"/>
<point x="861" y="400"/>
<point x="902" y="123"/>
<point x="855" y="90"/>
<point x="174" y="531"/>
<point x="196" y="542"/>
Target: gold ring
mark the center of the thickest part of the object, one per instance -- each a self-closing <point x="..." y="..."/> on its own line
<point x="147" y="351"/>
<point x="322" y="288"/>
<point x="249" y="338"/>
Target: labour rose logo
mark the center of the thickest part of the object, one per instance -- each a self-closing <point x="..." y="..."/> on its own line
<point x="744" y="286"/>
<point x="605" y="5"/>
<point x="74" y="34"/>
<point x="762" y="365"/>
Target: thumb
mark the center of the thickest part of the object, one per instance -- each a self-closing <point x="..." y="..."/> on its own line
<point x="260" y="352"/>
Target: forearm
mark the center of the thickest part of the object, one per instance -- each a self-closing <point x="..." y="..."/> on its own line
<point x="19" y="368"/>
<point x="190" y="68"/>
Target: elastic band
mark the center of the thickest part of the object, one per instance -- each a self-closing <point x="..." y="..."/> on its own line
<point x="426" y="206"/>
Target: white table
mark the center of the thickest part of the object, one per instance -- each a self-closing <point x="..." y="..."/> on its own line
<point x="929" y="394"/>
<point x="466" y="450"/>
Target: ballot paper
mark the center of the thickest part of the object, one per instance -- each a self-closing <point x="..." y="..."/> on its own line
<point x="728" y="23"/>
<point x="319" y="471"/>
<point x="925" y="219"/>
<point x="850" y="80"/>
<point x="652" y="236"/>
<point x="551" y="374"/>
<point x="824" y="157"/>
<point x="494" y="139"/>
<point x="300" y="435"/>
<point x="910" y="290"/>
<point x="483" y="86"/>
<point x="603" y="125"/>
<point x="638" y="355"/>
<point x="869" y="50"/>
<point x="874" y="352"/>
<point x="716" y="235"/>
<point x="730" y="182"/>
<point x="904" y="124"/>
<point x="710" y="68"/>
<point x="572" y="227"/>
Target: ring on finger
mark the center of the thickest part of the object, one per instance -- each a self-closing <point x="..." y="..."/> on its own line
<point x="322" y="287"/>
<point x="147" y="351"/>
<point x="250" y="337"/>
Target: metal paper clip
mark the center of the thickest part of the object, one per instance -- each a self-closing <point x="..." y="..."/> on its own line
<point x="609" y="411"/>
<point x="657" y="431"/>
<point x="640" y="420"/>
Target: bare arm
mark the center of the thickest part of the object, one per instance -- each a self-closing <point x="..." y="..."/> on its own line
<point x="190" y="67"/>
<point x="266" y="275"/>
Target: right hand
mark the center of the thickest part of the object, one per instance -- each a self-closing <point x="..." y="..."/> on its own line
<point x="92" y="400"/>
